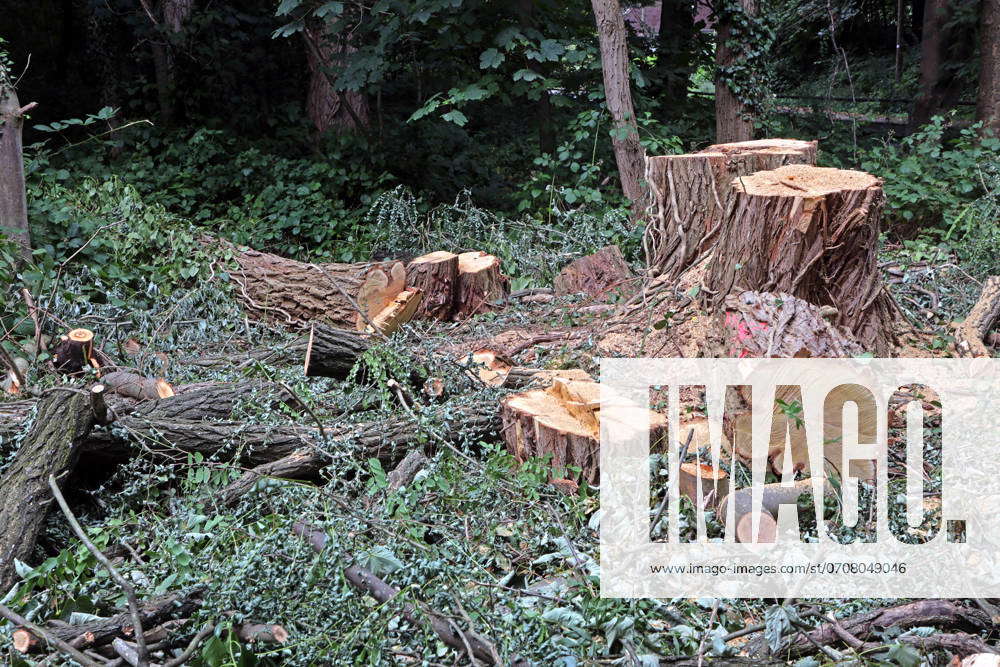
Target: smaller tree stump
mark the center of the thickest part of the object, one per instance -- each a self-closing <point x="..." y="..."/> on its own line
<point x="594" y="275"/>
<point x="481" y="285"/>
<point x="436" y="276"/>
<point x="74" y="352"/>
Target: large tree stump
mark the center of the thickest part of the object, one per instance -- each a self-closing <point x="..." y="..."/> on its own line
<point x="481" y="285"/>
<point x="594" y="275"/>
<point x="50" y="448"/>
<point x="436" y="275"/>
<point x="812" y="233"/>
<point x="692" y="193"/>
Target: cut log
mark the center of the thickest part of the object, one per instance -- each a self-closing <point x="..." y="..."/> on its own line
<point x="594" y="275"/>
<point x="332" y="352"/>
<point x="764" y="325"/>
<point x="481" y="285"/>
<point x="563" y="422"/>
<point x="63" y="421"/>
<point x="980" y="320"/>
<point x="813" y="233"/>
<point x="105" y="630"/>
<point x="436" y="275"/>
<point x="403" y="308"/>
<point x="692" y="193"/>
<point x="135" y="386"/>
<point x="379" y="290"/>
<point x="74" y="352"/>
<point x="274" y="288"/>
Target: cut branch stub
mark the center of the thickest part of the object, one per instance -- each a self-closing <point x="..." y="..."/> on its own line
<point x="481" y="285"/>
<point x="74" y="352"/>
<point x="692" y="193"/>
<point x="436" y="275"/>
<point x="812" y="233"/>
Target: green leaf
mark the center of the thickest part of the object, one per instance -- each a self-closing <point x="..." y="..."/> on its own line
<point x="287" y="7"/>
<point x="490" y="59"/>
<point x="457" y="117"/>
<point x="526" y="75"/>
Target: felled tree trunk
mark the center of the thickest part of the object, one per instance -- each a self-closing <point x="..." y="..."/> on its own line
<point x="436" y="275"/>
<point x="693" y="192"/>
<point x="812" y="233"/>
<point x="50" y="448"/>
<point x="594" y="275"/>
<point x="983" y="317"/>
<point x="481" y="285"/>
<point x="284" y="290"/>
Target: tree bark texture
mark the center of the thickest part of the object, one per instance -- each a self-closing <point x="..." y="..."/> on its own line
<point x="595" y="275"/>
<point x="629" y="154"/>
<point x="332" y="352"/>
<point x="13" y="203"/>
<point x="436" y="276"/>
<point x="812" y="233"/>
<point x="983" y="317"/>
<point x="988" y="102"/>
<point x="732" y="119"/>
<point x="481" y="285"/>
<point x="50" y="448"/>
<point x="329" y="108"/>
<point x="693" y="192"/>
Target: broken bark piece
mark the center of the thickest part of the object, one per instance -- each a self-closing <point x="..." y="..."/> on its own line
<point x="135" y="386"/>
<point x="971" y="334"/>
<point x="436" y="275"/>
<point x="63" y="422"/>
<point x="481" y="285"/>
<point x="763" y="325"/>
<point x="402" y="309"/>
<point x="403" y="474"/>
<point x="819" y="244"/>
<point x="714" y="483"/>
<point x="692" y="193"/>
<point x="74" y="352"/>
<point x="331" y="352"/>
<point x="594" y="275"/>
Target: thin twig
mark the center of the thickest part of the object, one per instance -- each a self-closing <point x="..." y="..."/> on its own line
<point x="191" y="647"/>
<point x="666" y="496"/>
<point x="704" y="635"/>
<point x="133" y="603"/>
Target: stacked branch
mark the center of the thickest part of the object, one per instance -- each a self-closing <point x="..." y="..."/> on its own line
<point x="693" y="192"/>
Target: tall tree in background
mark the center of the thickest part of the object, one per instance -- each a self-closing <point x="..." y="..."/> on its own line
<point x="618" y="94"/>
<point x="733" y="121"/>
<point x="330" y="108"/>
<point x="13" y="206"/>
<point x="988" y="104"/>
<point x="173" y="14"/>
<point x="946" y="43"/>
<point x="676" y="49"/>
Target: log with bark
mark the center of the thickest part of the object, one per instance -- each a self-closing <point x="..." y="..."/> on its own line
<point x="813" y="233"/>
<point x="980" y="320"/>
<point x="51" y="447"/>
<point x="594" y="275"/>
<point x="332" y="352"/>
<point x="693" y="192"/>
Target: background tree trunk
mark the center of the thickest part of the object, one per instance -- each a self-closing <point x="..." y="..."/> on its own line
<point x="329" y="108"/>
<point x="13" y="204"/>
<point x="674" y="52"/>
<point x="614" y="59"/>
<point x="940" y="44"/>
<point x="732" y="119"/>
<point x="988" y="104"/>
<point x="173" y="15"/>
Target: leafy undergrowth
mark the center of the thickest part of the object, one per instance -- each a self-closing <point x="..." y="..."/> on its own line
<point x="491" y="544"/>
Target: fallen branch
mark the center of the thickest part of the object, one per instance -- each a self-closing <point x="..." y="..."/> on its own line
<point x="983" y="317"/>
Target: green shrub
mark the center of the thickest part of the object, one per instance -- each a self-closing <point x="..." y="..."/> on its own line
<point x="932" y="179"/>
